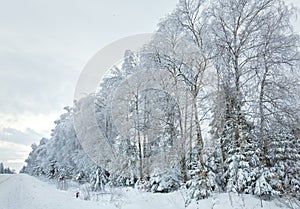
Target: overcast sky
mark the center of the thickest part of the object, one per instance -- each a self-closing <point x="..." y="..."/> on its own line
<point x="43" y="48"/>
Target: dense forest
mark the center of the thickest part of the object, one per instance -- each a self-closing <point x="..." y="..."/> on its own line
<point x="210" y="104"/>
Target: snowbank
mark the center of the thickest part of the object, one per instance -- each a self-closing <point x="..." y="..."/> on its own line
<point x="26" y="192"/>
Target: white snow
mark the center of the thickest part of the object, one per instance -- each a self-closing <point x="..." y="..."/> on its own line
<point x="21" y="191"/>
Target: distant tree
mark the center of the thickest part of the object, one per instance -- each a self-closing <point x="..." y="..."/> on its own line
<point x="24" y="169"/>
<point x="4" y="170"/>
<point x="1" y="168"/>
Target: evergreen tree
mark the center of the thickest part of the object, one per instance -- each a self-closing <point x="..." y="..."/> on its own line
<point x="285" y="158"/>
<point x="1" y="168"/>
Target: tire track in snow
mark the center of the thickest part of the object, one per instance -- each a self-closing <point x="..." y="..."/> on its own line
<point x="1" y="182"/>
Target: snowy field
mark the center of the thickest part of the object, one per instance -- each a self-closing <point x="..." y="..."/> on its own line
<point x="25" y="192"/>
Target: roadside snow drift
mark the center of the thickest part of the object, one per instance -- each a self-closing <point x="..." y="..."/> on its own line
<point x="26" y="192"/>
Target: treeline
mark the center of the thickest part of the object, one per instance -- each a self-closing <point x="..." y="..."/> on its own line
<point x="210" y="104"/>
<point x="62" y="158"/>
<point x="4" y="170"/>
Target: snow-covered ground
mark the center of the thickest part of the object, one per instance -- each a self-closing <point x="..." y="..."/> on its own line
<point x="26" y="192"/>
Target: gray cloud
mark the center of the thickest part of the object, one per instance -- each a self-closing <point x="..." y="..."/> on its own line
<point x="27" y="137"/>
<point x="13" y="155"/>
<point x="34" y="83"/>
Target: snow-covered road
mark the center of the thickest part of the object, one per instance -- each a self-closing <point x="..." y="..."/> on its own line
<point x="25" y="192"/>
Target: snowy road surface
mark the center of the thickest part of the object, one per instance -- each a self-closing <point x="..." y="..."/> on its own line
<point x="26" y="192"/>
<point x="21" y="191"/>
